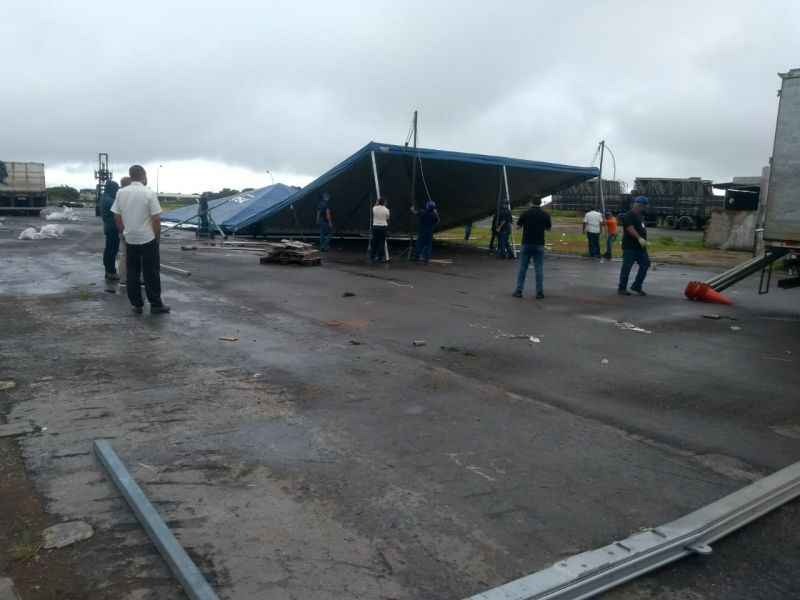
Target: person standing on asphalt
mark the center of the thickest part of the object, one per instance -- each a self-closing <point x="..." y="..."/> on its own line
<point x="534" y="223"/>
<point x="202" y="212"/>
<point x="122" y="268"/>
<point x="504" y="222"/>
<point x="428" y="219"/>
<point x="138" y="217"/>
<point x="592" y="222"/>
<point x="634" y="248"/>
<point x="110" y="231"/>
<point x="380" y="224"/>
<point x="325" y="220"/>
<point x="611" y="230"/>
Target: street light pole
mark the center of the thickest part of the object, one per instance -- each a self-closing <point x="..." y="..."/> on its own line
<point x="270" y="176"/>
<point x="158" y="178"/>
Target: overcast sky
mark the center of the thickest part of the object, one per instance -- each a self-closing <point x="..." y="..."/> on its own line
<point x="220" y="92"/>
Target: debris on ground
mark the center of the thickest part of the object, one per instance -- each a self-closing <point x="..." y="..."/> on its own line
<point x="604" y="361"/>
<point x="355" y="343"/>
<point x="7" y="385"/>
<point x="631" y="327"/>
<point x="7" y="589"/>
<point x="735" y="328"/>
<point x="229" y="338"/>
<point x="534" y="340"/>
<point x="450" y="348"/>
<point x="401" y="284"/>
<point x="63" y="215"/>
<point x="66" y="534"/>
<point x="14" y="429"/>
<point x="420" y="343"/>
<point x="289" y="252"/>
<point x="46" y="232"/>
<point x="715" y="317"/>
<point x="442" y="261"/>
<point x="348" y="295"/>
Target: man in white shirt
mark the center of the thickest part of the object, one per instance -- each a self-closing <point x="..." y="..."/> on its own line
<point x="380" y="224"/>
<point x="592" y="222"/>
<point x="138" y="216"/>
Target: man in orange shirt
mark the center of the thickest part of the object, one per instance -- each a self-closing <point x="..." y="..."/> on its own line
<point x="611" y="231"/>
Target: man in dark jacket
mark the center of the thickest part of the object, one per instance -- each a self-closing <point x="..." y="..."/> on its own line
<point x="110" y="231"/>
<point x="325" y="221"/>
<point x="534" y="223"/>
<point x="634" y="248"/>
<point x="504" y="222"/>
<point x="428" y="220"/>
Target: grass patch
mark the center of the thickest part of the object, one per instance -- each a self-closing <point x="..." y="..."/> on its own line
<point x="26" y="548"/>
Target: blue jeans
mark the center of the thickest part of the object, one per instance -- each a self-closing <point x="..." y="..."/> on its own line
<point x="610" y="244"/>
<point x="424" y="245"/>
<point x="504" y="245"/>
<point x="594" y="244"/>
<point x="629" y="257"/>
<point x="324" y="236"/>
<point x="526" y="253"/>
<point x="111" y="250"/>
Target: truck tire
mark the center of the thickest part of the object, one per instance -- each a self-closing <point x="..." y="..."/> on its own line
<point x="686" y="223"/>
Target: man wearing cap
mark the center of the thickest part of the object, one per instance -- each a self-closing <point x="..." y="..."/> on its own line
<point x="634" y="248"/>
<point x="428" y="220"/>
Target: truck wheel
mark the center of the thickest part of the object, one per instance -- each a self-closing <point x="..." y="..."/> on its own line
<point x="686" y="223"/>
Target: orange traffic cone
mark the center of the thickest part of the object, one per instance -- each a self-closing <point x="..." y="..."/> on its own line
<point x="691" y="290"/>
<point x="706" y="293"/>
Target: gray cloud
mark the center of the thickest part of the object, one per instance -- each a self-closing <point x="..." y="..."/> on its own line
<point x="677" y="89"/>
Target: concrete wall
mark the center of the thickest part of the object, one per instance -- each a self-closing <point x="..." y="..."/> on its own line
<point x="731" y="229"/>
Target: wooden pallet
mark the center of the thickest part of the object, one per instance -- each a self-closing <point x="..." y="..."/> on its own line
<point x="288" y="252"/>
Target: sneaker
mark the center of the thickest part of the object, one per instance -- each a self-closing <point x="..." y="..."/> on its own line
<point x="639" y="292"/>
<point x="539" y="295"/>
<point x="623" y="292"/>
<point x="137" y="309"/>
<point x="517" y="294"/>
<point x="112" y="277"/>
<point x="159" y="310"/>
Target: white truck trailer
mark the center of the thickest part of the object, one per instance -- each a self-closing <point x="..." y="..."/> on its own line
<point x="22" y="187"/>
<point x="781" y="229"/>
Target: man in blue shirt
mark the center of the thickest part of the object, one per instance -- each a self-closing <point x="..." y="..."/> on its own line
<point x="428" y="220"/>
<point x="110" y="231"/>
<point x="325" y="220"/>
<point x="504" y="222"/>
<point x="534" y="223"/>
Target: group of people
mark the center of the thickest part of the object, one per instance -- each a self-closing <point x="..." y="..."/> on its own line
<point x="593" y="225"/>
<point x="132" y="217"/>
<point x="535" y="222"/>
<point x="428" y="218"/>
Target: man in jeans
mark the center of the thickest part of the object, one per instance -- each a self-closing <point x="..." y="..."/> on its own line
<point x="592" y="223"/>
<point x="138" y="216"/>
<point x="534" y="223"/>
<point x="634" y="248"/>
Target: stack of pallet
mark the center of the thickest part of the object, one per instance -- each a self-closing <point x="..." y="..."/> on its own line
<point x="289" y="252"/>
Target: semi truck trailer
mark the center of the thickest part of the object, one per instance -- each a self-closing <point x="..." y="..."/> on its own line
<point x="22" y="187"/>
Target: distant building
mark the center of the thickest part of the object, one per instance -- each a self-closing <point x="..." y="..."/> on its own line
<point x="178" y="198"/>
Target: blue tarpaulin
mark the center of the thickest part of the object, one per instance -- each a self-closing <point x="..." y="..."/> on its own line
<point x="236" y="213"/>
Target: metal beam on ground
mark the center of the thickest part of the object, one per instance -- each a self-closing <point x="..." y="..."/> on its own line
<point x="590" y="573"/>
<point x="184" y="569"/>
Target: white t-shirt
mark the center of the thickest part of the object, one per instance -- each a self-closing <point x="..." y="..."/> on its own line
<point x="592" y="220"/>
<point x="380" y="216"/>
<point x="137" y="204"/>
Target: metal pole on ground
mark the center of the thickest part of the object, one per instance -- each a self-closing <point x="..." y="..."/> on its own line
<point x="192" y="580"/>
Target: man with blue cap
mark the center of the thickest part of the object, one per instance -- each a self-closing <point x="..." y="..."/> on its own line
<point x="428" y="219"/>
<point x="634" y="248"/>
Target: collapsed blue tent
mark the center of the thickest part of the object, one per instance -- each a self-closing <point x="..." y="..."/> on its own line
<point x="465" y="187"/>
<point x="235" y="214"/>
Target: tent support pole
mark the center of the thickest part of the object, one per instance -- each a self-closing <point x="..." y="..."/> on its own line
<point x="377" y="195"/>
<point x="508" y="201"/>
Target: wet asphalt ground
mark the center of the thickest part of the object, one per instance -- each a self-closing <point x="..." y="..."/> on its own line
<point x="323" y="455"/>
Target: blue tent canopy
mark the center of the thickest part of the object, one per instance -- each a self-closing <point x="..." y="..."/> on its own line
<point x="466" y="188"/>
<point x="236" y="213"/>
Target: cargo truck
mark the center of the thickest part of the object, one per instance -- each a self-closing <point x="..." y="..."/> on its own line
<point x="22" y="188"/>
<point x="781" y="227"/>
